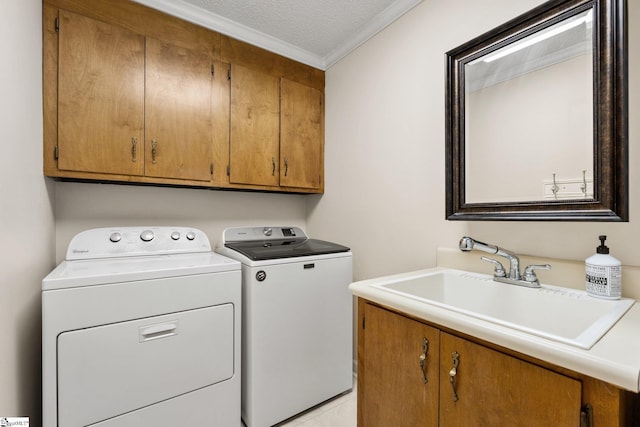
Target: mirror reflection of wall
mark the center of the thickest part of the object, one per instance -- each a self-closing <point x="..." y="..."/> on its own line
<point x="529" y="117"/>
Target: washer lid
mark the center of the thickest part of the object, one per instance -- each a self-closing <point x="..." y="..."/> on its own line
<point x="88" y="272"/>
<point x="287" y="248"/>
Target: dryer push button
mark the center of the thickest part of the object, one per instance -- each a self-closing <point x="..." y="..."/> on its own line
<point x="146" y="236"/>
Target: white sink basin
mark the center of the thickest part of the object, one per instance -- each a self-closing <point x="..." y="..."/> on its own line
<point x="560" y="314"/>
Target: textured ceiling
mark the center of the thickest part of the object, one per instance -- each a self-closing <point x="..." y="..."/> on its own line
<point x="316" y="32"/>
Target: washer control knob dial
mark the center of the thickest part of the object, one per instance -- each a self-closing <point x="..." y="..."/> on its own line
<point x="175" y="235"/>
<point x="191" y="235"/>
<point x="115" y="237"/>
<point x="268" y="231"/>
<point x="146" y="236"/>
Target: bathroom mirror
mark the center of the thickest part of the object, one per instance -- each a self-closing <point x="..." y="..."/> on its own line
<point x="536" y="117"/>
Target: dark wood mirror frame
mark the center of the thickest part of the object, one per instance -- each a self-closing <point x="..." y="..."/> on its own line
<point x="610" y="198"/>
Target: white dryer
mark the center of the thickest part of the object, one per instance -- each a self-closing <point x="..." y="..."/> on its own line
<point x="297" y="321"/>
<point x="141" y="327"/>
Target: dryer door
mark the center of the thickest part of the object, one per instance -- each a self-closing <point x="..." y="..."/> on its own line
<point x="109" y="370"/>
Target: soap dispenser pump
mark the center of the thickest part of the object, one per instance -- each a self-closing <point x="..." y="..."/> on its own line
<point x="603" y="277"/>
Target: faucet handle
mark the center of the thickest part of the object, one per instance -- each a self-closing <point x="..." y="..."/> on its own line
<point x="529" y="273"/>
<point x="498" y="269"/>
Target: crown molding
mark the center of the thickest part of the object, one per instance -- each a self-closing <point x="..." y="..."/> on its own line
<point x="249" y="35"/>
<point x="377" y="24"/>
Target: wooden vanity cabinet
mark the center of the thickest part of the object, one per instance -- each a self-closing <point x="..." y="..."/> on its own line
<point x="398" y="377"/>
<point x="490" y="388"/>
<point x="470" y="383"/>
<point x="134" y="95"/>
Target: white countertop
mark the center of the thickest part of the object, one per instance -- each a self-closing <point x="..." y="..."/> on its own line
<point x="615" y="358"/>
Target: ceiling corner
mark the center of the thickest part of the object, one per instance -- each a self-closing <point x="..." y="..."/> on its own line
<point x="194" y="14"/>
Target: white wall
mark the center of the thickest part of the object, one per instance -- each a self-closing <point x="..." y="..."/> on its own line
<point x="385" y="149"/>
<point x="384" y="157"/>
<point x="26" y="212"/>
<point x="80" y="206"/>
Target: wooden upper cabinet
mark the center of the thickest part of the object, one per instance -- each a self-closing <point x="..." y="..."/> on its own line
<point x="301" y="135"/>
<point x="400" y="372"/>
<point x="178" y="99"/>
<point x="255" y="128"/>
<point x="100" y="97"/>
<point x="277" y="131"/>
<point x="131" y="94"/>
<point x="494" y="389"/>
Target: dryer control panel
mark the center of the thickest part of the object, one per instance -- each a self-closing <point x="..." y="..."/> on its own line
<point x="136" y="241"/>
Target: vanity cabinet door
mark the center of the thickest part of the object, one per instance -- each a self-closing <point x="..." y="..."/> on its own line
<point x="398" y="378"/>
<point x="494" y="389"/>
<point x="100" y="97"/>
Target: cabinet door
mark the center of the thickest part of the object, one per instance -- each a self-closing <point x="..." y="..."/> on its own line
<point x="393" y="388"/>
<point x="255" y="127"/>
<point x="494" y="389"/>
<point x="100" y="97"/>
<point x="178" y="91"/>
<point x="301" y="135"/>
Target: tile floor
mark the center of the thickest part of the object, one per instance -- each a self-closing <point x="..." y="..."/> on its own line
<point x="337" y="412"/>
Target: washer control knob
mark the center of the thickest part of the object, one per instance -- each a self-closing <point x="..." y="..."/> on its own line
<point x="191" y="235"/>
<point x="146" y="236"/>
<point x="115" y="237"/>
<point x="175" y="236"/>
<point x="268" y="231"/>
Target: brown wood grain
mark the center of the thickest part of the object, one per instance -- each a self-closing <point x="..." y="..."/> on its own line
<point x="496" y="386"/>
<point x="91" y="95"/>
<point x="300" y="135"/>
<point x="393" y="390"/>
<point x="255" y="127"/>
<point x="178" y="91"/>
<point x="498" y="390"/>
<point x="100" y="97"/>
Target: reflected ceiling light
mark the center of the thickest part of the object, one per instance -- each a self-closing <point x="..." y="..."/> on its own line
<point x="540" y="37"/>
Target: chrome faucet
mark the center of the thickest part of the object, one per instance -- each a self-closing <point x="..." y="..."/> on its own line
<point x="528" y="278"/>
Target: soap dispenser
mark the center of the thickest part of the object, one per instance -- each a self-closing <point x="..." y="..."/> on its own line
<point x="603" y="273"/>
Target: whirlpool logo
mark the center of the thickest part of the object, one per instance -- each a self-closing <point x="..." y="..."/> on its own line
<point x="261" y="275"/>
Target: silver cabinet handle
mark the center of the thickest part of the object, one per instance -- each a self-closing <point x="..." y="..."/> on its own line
<point x="273" y="166"/>
<point x="423" y="359"/>
<point x="134" y="149"/>
<point x="455" y="360"/>
<point x="286" y="166"/>
<point x="154" y="150"/>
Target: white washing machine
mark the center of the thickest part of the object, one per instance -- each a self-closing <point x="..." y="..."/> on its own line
<point x="141" y="327"/>
<point x="297" y="321"/>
